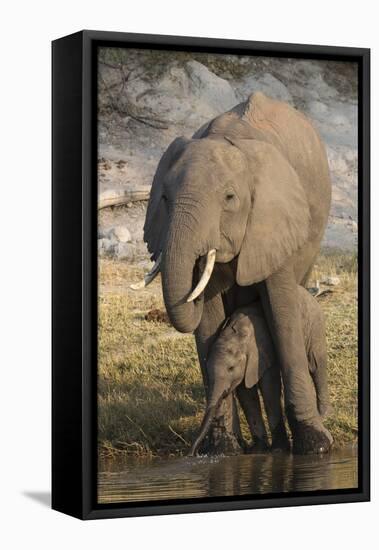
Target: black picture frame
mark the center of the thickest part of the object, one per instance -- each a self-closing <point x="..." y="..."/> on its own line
<point x="74" y="272"/>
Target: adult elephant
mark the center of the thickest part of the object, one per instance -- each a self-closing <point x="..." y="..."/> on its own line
<point x="238" y="213"/>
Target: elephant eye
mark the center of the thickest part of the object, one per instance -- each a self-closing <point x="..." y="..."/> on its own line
<point x="231" y="368"/>
<point x="229" y="196"/>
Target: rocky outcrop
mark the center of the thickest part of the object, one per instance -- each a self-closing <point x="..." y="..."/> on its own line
<point x="148" y="98"/>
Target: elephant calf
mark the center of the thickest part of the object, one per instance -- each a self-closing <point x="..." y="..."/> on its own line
<point x="244" y="352"/>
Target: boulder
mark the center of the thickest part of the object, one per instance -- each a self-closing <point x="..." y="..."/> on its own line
<point x="265" y="83"/>
<point x="189" y="95"/>
<point x="124" y="251"/>
<point x="331" y="281"/>
<point x="109" y="245"/>
<point x="210" y="89"/>
<point x="106" y="246"/>
<point x="100" y="246"/>
<point x="120" y="233"/>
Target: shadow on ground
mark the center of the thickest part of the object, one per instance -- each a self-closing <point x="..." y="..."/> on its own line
<point x="42" y="497"/>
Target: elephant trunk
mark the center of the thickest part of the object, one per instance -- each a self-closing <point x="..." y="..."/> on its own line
<point x="204" y="429"/>
<point x="180" y="270"/>
<point x="219" y="389"/>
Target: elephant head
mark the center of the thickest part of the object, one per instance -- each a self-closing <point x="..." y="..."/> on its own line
<point x="216" y="199"/>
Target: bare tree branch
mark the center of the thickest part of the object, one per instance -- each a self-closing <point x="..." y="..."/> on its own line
<point x="117" y="198"/>
<point x="128" y="111"/>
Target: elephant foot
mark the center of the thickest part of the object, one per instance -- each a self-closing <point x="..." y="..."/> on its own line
<point x="222" y="442"/>
<point x="310" y="437"/>
<point x="258" y="446"/>
<point x="280" y="441"/>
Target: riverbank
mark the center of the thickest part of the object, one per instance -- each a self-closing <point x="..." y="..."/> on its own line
<point x="150" y="392"/>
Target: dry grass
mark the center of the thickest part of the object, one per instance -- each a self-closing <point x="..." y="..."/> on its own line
<point x="340" y="310"/>
<point x="150" y="390"/>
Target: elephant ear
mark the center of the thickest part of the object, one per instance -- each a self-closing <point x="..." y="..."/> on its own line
<point x="278" y="222"/>
<point x="155" y="228"/>
<point x="252" y="367"/>
<point x="256" y="365"/>
<point x="260" y="354"/>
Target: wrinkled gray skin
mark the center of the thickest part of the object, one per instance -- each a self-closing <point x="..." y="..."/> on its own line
<point x="243" y="358"/>
<point x="254" y="185"/>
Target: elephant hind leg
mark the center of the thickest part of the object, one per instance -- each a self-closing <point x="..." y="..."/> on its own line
<point x="250" y="403"/>
<point x="271" y="389"/>
<point x="279" y="298"/>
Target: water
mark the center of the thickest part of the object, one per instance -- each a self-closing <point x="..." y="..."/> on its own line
<point x="129" y="480"/>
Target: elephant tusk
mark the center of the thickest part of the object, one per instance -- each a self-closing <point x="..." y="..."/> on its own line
<point x="149" y="277"/>
<point x="211" y="258"/>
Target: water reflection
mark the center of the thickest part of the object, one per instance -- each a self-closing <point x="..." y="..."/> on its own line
<point x="135" y="480"/>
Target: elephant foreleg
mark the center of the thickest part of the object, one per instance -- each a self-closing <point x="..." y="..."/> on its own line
<point x="279" y="298"/>
<point x="249" y="400"/>
<point x="271" y="390"/>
